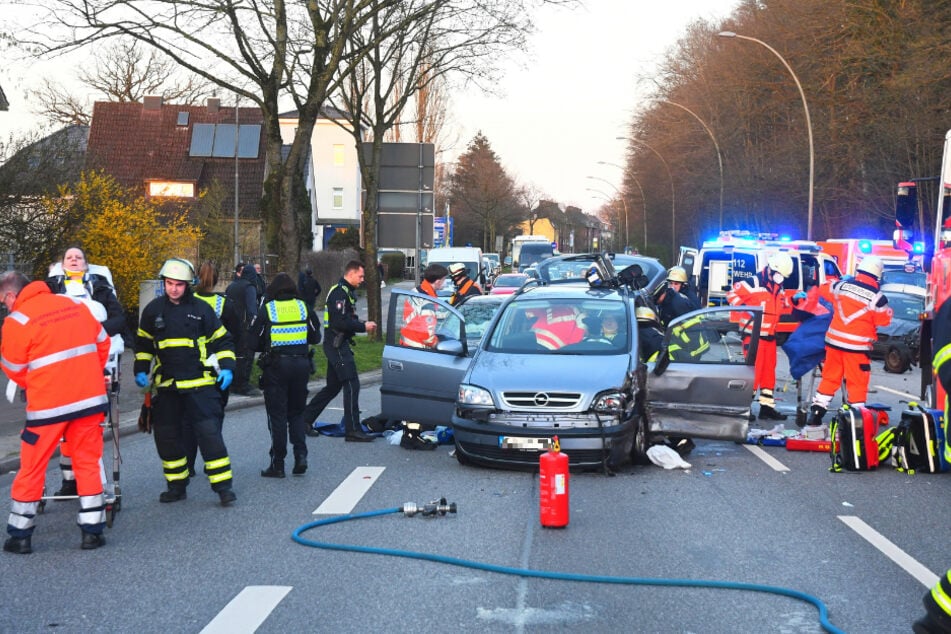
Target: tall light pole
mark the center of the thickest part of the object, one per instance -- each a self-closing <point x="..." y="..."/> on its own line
<point x="715" y="144"/>
<point x="673" y="201"/>
<point x="623" y="203"/>
<point x="643" y="200"/>
<point x="805" y="106"/>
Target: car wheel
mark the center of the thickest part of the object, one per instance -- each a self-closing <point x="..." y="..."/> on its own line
<point x="641" y="440"/>
<point x="897" y="359"/>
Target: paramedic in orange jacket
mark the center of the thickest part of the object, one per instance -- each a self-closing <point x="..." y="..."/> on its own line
<point x="55" y="349"/>
<point x="419" y="317"/>
<point x="765" y="289"/>
<point x="858" y="309"/>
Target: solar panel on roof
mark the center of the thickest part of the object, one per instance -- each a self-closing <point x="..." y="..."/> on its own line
<point x="249" y="138"/>
<point x="203" y="135"/>
<point x="224" y="141"/>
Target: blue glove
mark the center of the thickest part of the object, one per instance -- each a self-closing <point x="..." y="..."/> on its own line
<point x="798" y="297"/>
<point x="224" y="378"/>
<point x="141" y="379"/>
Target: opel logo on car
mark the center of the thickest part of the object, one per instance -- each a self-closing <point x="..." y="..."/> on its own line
<point x="541" y="399"/>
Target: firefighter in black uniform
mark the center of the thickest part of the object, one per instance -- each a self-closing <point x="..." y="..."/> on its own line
<point x="340" y="324"/>
<point x="937" y="619"/>
<point x="177" y="333"/>
<point x="282" y="332"/>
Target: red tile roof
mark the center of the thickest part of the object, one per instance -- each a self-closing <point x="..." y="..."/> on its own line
<point x="136" y="144"/>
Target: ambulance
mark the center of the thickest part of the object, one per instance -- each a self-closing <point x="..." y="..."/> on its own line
<point x="735" y="255"/>
<point x="848" y="252"/>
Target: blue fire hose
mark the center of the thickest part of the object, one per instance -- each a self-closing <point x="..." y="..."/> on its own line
<point x="441" y="508"/>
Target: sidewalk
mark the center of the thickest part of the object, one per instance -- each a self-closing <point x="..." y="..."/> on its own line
<point x="130" y="402"/>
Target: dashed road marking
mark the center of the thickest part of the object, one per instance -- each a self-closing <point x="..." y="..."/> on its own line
<point x="912" y="397"/>
<point x="765" y="457"/>
<point x="910" y="565"/>
<point x="345" y="497"/>
<point x="246" y="612"/>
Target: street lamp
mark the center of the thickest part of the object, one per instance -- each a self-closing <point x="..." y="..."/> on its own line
<point x="673" y="202"/>
<point x="715" y="144"/>
<point x="805" y="106"/>
<point x="643" y="199"/>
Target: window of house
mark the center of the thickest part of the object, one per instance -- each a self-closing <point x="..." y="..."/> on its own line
<point x="338" y="155"/>
<point x="338" y="198"/>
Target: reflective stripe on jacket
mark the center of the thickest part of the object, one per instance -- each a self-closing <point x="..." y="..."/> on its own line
<point x="858" y="309"/>
<point x="288" y="322"/>
<point x="54" y="348"/>
<point x="771" y="297"/>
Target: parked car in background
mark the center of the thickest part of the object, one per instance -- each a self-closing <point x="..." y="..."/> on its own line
<point x="543" y="368"/>
<point x="908" y="278"/>
<point x="496" y="263"/>
<point x="508" y="283"/>
<point x="898" y="342"/>
<point x="507" y="261"/>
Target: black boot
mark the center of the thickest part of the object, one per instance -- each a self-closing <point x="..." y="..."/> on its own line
<point x="274" y="470"/>
<point x="770" y="413"/>
<point x="358" y="436"/>
<point x="18" y="545"/>
<point x="227" y="497"/>
<point x="300" y="465"/>
<point x="67" y="490"/>
<point x="816" y="413"/>
<point x="173" y="494"/>
<point x="92" y="541"/>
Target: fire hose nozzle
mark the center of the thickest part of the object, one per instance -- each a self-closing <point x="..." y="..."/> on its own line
<point x="431" y="509"/>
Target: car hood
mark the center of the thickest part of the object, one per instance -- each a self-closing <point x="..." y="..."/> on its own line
<point x="899" y="327"/>
<point x="496" y="371"/>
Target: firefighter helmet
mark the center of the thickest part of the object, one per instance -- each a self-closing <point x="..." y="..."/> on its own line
<point x="645" y="313"/>
<point x="677" y="274"/>
<point x="457" y="270"/>
<point x="871" y="265"/>
<point x="780" y="263"/>
<point x="178" y="269"/>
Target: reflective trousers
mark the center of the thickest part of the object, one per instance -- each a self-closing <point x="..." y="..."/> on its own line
<point x="284" y="384"/>
<point x="855" y="367"/>
<point x="765" y="368"/>
<point x="38" y="444"/>
<point x="199" y="410"/>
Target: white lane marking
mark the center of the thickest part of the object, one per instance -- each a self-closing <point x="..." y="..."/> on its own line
<point x="765" y="457"/>
<point x="349" y="492"/>
<point x="911" y="565"/>
<point x="913" y="397"/>
<point x="247" y="611"/>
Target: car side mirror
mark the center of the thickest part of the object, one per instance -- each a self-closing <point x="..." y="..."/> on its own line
<point x="663" y="360"/>
<point x="451" y="346"/>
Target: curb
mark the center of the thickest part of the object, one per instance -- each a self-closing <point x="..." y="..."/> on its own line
<point x="130" y="424"/>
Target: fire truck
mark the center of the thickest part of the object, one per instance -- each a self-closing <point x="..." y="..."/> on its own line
<point x="937" y="264"/>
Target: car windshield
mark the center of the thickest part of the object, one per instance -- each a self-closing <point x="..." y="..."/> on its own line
<point x="907" y="307"/>
<point x="915" y="278"/>
<point x="573" y="325"/>
<point x="510" y="280"/>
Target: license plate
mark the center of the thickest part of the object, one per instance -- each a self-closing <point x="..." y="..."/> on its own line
<point x="524" y="444"/>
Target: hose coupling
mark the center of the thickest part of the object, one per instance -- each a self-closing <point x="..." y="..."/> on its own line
<point x="436" y="507"/>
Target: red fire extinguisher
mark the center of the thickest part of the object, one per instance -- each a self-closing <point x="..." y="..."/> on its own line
<point x="553" y="486"/>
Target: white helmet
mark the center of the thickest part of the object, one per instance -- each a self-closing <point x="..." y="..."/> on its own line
<point x="643" y="313"/>
<point x="780" y="263"/>
<point x="178" y="269"/>
<point x="871" y="265"/>
<point x="677" y="274"/>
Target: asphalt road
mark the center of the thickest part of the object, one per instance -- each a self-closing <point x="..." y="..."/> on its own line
<point x="741" y="515"/>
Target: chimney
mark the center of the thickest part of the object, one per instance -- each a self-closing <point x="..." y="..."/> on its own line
<point x="212" y="105"/>
<point x="152" y="102"/>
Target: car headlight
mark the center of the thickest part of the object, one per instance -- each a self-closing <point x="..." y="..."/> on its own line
<point x="473" y="395"/>
<point x="609" y="402"/>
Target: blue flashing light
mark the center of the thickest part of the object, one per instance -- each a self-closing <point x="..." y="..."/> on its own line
<point x="865" y="246"/>
<point x="918" y="247"/>
<point x="785" y="239"/>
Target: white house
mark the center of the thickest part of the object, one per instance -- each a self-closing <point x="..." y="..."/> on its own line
<point x="333" y="174"/>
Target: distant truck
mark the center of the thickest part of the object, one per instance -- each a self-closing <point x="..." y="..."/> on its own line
<point x="517" y="243"/>
<point x="471" y="257"/>
<point x="848" y="252"/>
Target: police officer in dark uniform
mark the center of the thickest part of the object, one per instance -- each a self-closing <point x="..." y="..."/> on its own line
<point x="340" y="325"/>
<point x="244" y="295"/>
<point x="179" y="332"/>
<point x="282" y="332"/>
